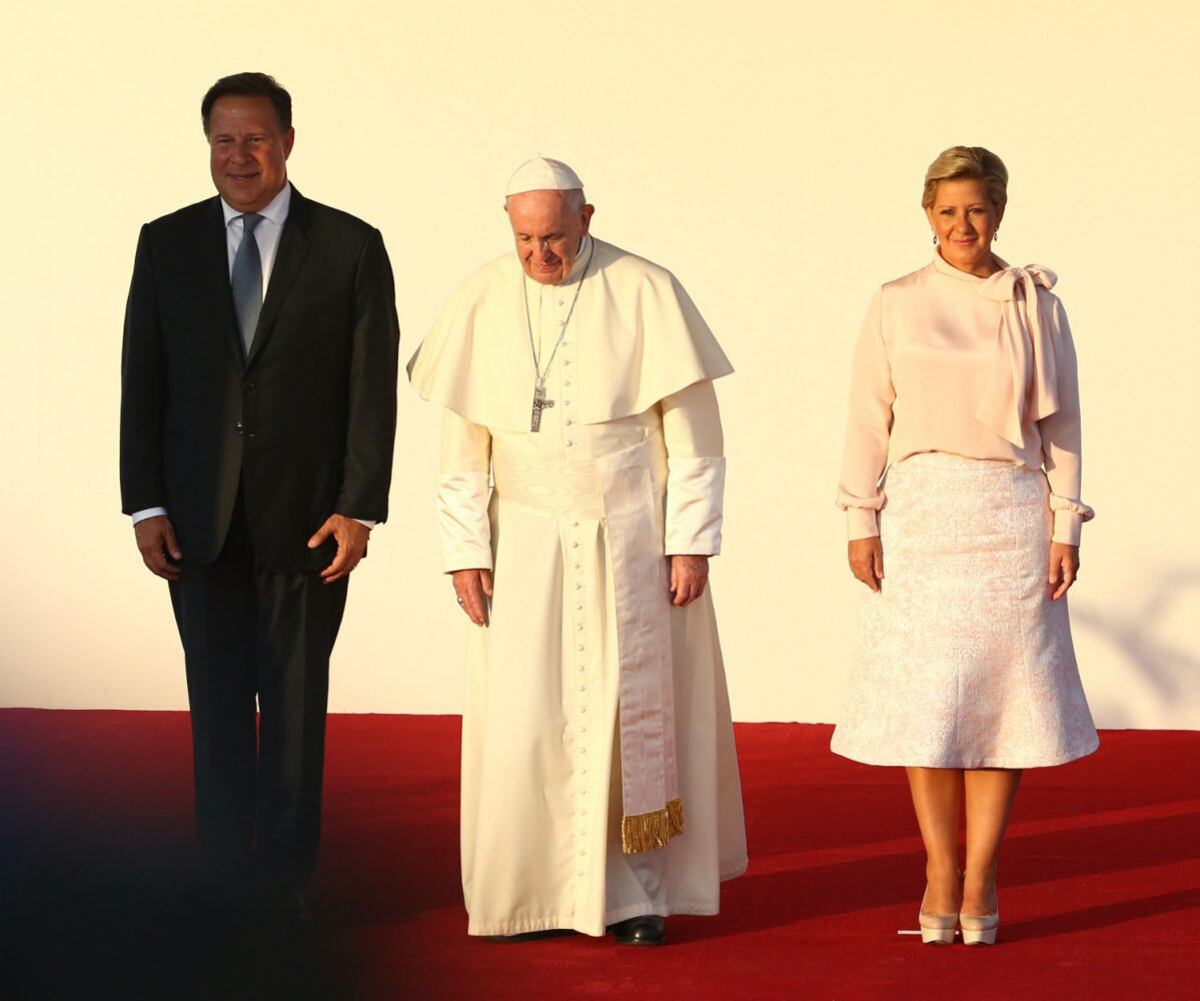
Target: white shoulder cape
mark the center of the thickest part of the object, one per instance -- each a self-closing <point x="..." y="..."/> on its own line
<point x="638" y="338"/>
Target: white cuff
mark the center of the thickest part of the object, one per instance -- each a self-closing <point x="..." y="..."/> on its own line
<point x="695" y="501"/>
<point x="862" y="523"/>
<point x="462" y="507"/>
<point x="1069" y="516"/>
<point x="149" y="512"/>
<point x="862" y="513"/>
<point x="365" y="521"/>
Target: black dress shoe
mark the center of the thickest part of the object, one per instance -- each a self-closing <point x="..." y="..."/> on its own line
<point x="298" y="908"/>
<point x="283" y="905"/>
<point x="531" y="936"/>
<point x="646" y="929"/>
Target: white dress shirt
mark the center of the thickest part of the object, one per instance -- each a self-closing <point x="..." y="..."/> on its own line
<point x="267" y="234"/>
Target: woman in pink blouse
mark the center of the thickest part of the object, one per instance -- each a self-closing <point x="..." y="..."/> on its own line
<point x="961" y="486"/>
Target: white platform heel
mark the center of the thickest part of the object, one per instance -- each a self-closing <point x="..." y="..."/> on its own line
<point x="937" y="929"/>
<point x="979" y="929"/>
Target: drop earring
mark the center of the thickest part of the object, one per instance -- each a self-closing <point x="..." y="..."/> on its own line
<point x="995" y="236"/>
<point x="935" y="239"/>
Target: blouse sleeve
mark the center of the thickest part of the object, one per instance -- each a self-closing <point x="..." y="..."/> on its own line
<point x="868" y="427"/>
<point x="1061" y="445"/>
<point x="695" y="470"/>
<point x="462" y="495"/>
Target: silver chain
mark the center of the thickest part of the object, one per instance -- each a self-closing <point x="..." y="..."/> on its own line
<point x="537" y="366"/>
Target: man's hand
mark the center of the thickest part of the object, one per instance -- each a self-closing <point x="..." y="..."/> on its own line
<point x="866" y="561"/>
<point x="1064" y="569"/>
<point x="155" y="540"/>
<point x="471" y="588"/>
<point x="689" y="576"/>
<point x="351" y="538"/>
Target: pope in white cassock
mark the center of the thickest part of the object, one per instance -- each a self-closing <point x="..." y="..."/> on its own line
<point x="579" y="500"/>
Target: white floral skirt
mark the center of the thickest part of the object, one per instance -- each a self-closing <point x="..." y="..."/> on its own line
<point x="963" y="661"/>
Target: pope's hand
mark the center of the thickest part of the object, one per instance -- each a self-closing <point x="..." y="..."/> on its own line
<point x="472" y="588"/>
<point x="156" y="540"/>
<point x="866" y="561"/>
<point x="351" y="539"/>
<point x="1064" y="569"/>
<point x="689" y="576"/>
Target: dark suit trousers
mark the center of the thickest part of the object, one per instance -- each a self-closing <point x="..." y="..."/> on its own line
<point x="251" y="634"/>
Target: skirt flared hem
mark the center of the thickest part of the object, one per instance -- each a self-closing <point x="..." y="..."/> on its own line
<point x="958" y="761"/>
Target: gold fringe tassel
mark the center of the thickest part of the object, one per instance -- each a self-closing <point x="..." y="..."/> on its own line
<point x="652" y="830"/>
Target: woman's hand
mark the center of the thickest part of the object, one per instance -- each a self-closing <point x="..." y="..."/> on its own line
<point x="866" y="561"/>
<point x="473" y="587"/>
<point x="1064" y="569"/>
<point x="689" y="575"/>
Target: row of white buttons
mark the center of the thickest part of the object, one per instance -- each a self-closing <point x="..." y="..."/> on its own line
<point x="580" y="730"/>
<point x="562" y="322"/>
<point x="580" y="648"/>
<point x="567" y="421"/>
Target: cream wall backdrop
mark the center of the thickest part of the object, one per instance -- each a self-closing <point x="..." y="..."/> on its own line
<point x="771" y="155"/>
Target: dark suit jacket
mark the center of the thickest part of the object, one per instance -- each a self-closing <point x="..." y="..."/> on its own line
<point x="306" y="423"/>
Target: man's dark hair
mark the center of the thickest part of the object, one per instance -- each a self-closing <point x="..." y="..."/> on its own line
<point x="249" y="85"/>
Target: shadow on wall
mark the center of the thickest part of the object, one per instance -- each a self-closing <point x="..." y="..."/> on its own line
<point x="1160" y="678"/>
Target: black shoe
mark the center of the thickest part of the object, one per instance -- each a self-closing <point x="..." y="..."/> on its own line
<point x="531" y="936"/>
<point x="646" y="929"/>
<point x="298" y="908"/>
<point x="283" y="905"/>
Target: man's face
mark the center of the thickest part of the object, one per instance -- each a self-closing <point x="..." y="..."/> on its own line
<point x="547" y="233"/>
<point x="247" y="151"/>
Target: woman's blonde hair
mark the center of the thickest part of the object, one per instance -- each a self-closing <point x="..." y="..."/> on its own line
<point x="974" y="162"/>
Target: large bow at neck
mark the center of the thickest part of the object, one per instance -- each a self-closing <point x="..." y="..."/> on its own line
<point x="1023" y="385"/>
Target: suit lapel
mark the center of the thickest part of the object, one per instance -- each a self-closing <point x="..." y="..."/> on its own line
<point x="214" y="274"/>
<point x="293" y="248"/>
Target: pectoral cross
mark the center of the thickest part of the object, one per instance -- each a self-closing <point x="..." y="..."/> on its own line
<point x="540" y="403"/>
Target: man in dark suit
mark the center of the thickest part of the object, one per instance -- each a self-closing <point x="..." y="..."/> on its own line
<point x="258" y="413"/>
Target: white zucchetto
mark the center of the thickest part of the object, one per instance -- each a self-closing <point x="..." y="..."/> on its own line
<point x="542" y="174"/>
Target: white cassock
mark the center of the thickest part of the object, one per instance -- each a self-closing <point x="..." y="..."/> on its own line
<point x="599" y="775"/>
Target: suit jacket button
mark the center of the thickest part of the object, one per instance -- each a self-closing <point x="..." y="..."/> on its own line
<point x="238" y="427"/>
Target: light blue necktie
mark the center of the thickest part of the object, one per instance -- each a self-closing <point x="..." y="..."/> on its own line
<point x="247" y="281"/>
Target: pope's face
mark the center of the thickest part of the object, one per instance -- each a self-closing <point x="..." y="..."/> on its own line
<point x="247" y="151"/>
<point x="547" y="233"/>
<point x="965" y="220"/>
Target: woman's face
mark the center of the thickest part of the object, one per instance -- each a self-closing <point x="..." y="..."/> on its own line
<point x="964" y="219"/>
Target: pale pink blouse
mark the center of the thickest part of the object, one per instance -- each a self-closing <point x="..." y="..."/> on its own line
<point x="979" y="367"/>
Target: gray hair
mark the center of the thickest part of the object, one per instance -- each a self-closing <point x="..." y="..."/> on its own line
<point x="572" y="198"/>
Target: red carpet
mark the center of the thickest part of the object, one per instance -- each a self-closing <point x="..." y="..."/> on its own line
<point x="1099" y="880"/>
